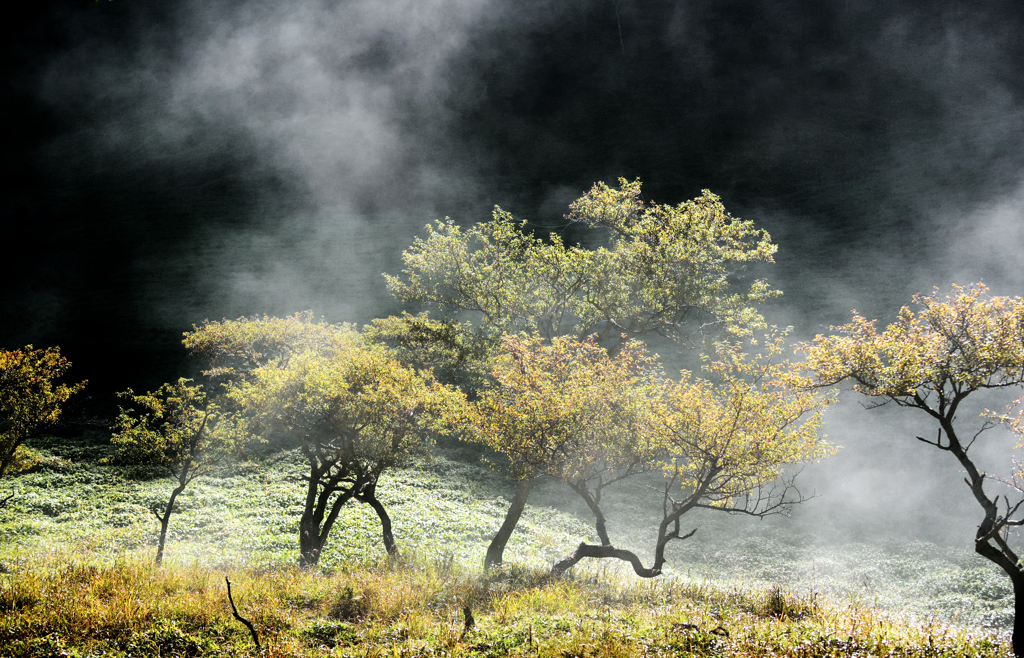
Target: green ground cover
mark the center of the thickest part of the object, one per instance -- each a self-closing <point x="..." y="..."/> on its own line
<point x="77" y="542"/>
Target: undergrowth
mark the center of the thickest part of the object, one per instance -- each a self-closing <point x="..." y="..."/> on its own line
<point x="76" y="577"/>
<point x="60" y="606"/>
<point x="248" y="512"/>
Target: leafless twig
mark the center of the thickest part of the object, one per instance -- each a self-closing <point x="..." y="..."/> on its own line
<point x="248" y="624"/>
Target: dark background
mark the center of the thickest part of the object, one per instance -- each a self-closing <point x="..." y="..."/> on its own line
<point x="168" y="162"/>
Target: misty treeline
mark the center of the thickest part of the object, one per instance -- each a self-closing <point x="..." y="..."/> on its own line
<point x="532" y="348"/>
<point x="543" y="353"/>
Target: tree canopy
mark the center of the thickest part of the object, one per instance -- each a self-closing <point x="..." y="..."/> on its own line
<point x="932" y="358"/>
<point x="235" y="348"/>
<point x="565" y="408"/>
<point x="668" y="270"/>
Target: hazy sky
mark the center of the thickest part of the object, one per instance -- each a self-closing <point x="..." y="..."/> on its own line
<point x="177" y="161"/>
<point x="168" y="162"/>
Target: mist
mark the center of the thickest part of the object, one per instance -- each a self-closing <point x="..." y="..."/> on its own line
<point x="184" y="161"/>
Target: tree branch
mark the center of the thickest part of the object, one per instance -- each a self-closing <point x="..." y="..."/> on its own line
<point x="589" y="550"/>
<point x="937" y="442"/>
<point x="987" y="425"/>
<point x="608" y="551"/>
<point x="248" y="624"/>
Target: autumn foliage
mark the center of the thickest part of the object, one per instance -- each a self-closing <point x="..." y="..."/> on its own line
<point x="352" y="410"/>
<point x="31" y="399"/>
<point x="547" y="334"/>
<point x="566" y="408"/>
<point x="668" y="271"/>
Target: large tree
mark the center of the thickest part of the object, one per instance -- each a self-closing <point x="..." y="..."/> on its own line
<point x="725" y="442"/>
<point x="667" y="271"/>
<point x="568" y="410"/>
<point x="353" y="411"/>
<point x="31" y="399"/>
<point x="931" y="359"/>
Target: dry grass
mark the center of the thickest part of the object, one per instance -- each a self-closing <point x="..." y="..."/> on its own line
<point x="59" y="606"/>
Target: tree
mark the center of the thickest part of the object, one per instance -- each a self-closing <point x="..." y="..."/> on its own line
<point x="176" y="428"/>
<point x="931" y="359"/>
<point x="353" y="411"/>
<point x="568" y="410"/>
<point x="235" y="348"/>
<point x="30" y="399"/>
<point x="668" y="271"/>
<point x="452" y="351"/>
<point x="724" y="443"/>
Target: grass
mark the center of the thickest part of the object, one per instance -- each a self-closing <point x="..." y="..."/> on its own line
<point x="412" y="608"/>
<point x="887" y="569"/>
<point x="248" y="513"/>
<point x="76" y="577"/>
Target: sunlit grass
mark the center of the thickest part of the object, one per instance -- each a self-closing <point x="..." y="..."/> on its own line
<point x="129" y="607"/>
<point x="76" y="577"/>
<point x="248" y="514"/>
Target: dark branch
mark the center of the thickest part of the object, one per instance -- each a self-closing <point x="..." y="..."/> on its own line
<point x="589" y="550"/>
<point x="467" y="613"/>
<point x="936" y="443"/>
<point x="248" y="624"/>
<point x="987" y="425"/>
<point x="675" y="534"/>
<point x="876" y="405"/>
<point x="609" y="551"/>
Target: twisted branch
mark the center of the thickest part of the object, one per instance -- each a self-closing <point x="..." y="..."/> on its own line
<point x="248" y="624"/>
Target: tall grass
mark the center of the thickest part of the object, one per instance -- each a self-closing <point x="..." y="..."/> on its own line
<point x="56" y="606"/>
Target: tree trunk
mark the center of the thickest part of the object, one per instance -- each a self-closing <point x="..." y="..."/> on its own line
<point x="496" y="550"/>
<point x="319" y="513"/>
<point x="589" y="550"/>
<point x="309" y="528"/>
<point x="1008" y="562"/>
<point x="314" y="528"/>
<point x="370" y="498"/>
<point x="987" y="542"/>
<point x="309" y="545"/>
<point x="607" y="550"/>
<point x="592" y="502"/>
<point x="165" y="521"/>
